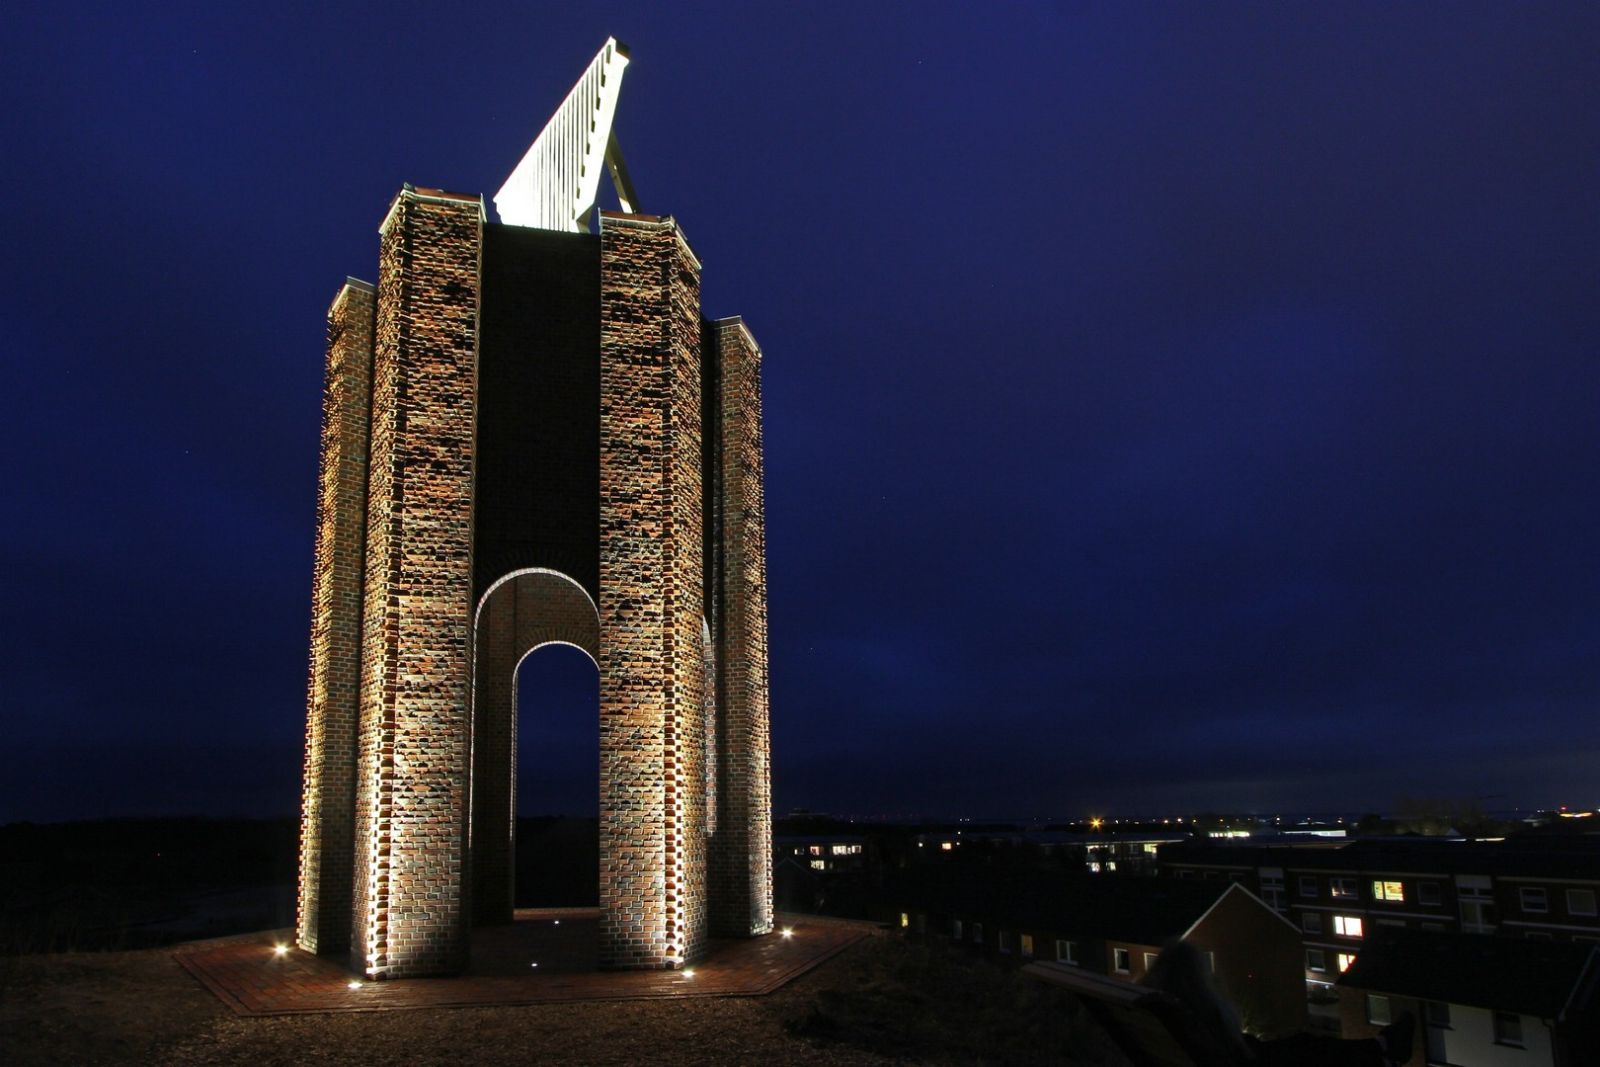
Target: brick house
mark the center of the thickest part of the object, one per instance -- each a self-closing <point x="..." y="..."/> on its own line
<point x="1116" y="926"/>
<point x="1539" y="888"/>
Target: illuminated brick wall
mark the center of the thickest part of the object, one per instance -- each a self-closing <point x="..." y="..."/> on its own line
<point x="334" y="692"/>
<point x="411" y="788"/>
<point x="487" y="470"/>
<point x="741" y="848"/>
<point x="652" y="749"/>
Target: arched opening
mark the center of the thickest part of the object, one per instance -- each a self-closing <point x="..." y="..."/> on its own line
<point x="556" y="844"/>
<point x="530" y="624"/>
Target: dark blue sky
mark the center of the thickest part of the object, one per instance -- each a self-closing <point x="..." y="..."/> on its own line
<point x="1168" y="406"/>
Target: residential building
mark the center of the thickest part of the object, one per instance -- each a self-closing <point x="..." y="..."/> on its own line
<point x="1479" y="1001"/>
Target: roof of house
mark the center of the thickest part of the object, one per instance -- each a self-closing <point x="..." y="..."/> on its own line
<point x="1143" y="911"/>
<point x="1541" y="978"/>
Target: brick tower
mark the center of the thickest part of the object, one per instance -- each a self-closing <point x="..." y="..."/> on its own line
<point x="531" y="435"/>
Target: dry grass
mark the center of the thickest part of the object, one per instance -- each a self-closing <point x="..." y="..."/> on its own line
<point x="882" y="1001"/>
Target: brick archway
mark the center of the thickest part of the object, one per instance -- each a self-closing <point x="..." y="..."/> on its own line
<point x="520" y="613"/>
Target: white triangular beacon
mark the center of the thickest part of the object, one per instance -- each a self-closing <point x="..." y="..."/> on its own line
<point x="557" y="182"/>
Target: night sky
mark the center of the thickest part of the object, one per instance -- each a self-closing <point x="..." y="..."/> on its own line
<point x="1168" y="407"/>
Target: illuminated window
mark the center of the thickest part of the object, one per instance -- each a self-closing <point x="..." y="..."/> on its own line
<point x="1345" y="960"/>
<point x="846" y="850"/>
<point x="819" y="865"/>
<point x="946" y="846"/>
<point x="815" y="850"/>
<point x="1308" y="886"/>
<point x="1428" y="893"/>
<point x="1389" y="891"/>
<point x="905" y="920"/>
<point x="1508" y="1029"/>
<point x="1067" y="952"/>
<point x="1580" y="902"/>
<point x="1343" y="888"/>
<point x="1311" y="922"/>
<point x="1347" y="925"/>
<point x="1535" y="899"/>
<point x="1316" y="960"/>
<point x="1120" y="961"/>
<point x="1025" y="946"/>
<point x="1378" y="1010"/>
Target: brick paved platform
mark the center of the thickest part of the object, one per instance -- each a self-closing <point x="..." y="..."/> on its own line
<point x="252" y="979"/>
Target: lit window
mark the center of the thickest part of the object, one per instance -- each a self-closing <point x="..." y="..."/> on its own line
<point x="1378" y="1010"/>
<point x="1535" y="899"/>
<point x="1508" y="1029"/>
<point x="1428" y="893"/>
<point x="1580" y="902"/>
<point x="1343" y="888"/>
<point x="1308" y="886"/>
<point x="846" y="850"/>
<point x="1389" y="891"/>
<point x="1347" y="925"/>
<point x="819" y="865"/>
<point x="905" y="920"/>
<point x="1345" y="960"/>
<point x="1067" y="952"/>
<point x="1025" y="946"/>
<point x="815" y="850"/>
<point x="946" y="846"/>
<point x="1316" y="960"/>
<point x="1120" y="961"/>
<point x="1311" y="922"/>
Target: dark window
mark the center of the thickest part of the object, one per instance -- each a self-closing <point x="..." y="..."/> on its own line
<point x="1508" y="1029"/>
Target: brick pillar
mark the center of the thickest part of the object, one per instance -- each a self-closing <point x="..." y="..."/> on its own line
<point x="494" y="759"/>
<point x="652" y="750"/>
<point x="742" y="846"/>
<point x="411" y="789"/>
<point x="333" y="695"/>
